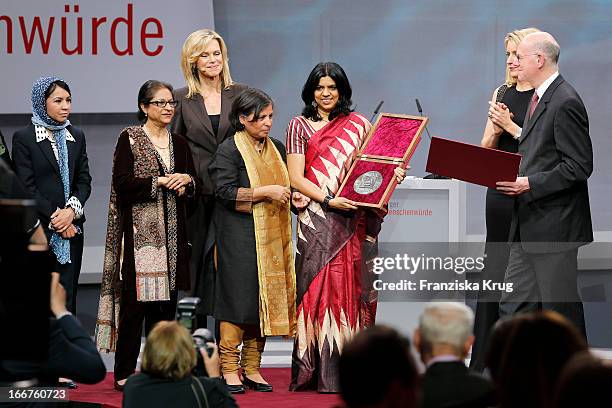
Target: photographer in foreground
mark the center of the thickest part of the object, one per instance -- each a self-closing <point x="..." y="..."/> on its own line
<point x="45" y="341"/>
<point x="166" y="374"/>
<point x="71" y="352"/>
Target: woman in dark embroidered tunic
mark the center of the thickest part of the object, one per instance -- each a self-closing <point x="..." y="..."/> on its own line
<point x="146" y="256"/>
<point x="509" y="105"/>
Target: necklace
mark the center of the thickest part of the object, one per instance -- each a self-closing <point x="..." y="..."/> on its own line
<point x="153" y="143"/>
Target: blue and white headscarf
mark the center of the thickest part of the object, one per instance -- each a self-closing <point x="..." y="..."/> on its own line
<point x="59" y="245"/>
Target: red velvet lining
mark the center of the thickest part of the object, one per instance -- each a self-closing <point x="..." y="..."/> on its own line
<point x="362" y="166"/>
<point x="392" y="136"/>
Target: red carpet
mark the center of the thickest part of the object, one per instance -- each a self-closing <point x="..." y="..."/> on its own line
<point x="104" y="394"/>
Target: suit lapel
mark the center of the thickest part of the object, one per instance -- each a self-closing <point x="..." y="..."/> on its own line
<point x="198" y="108"/>
<point x="540" y="108"/>
<point x="72" y="149"/>
<point x="47" y="150"/>
<point x="227" y="95"/>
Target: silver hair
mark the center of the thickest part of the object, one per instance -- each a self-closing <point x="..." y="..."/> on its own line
<point x="449" y="323"/>
<point x="550" y="50"/>
<point x="546" y="44"/>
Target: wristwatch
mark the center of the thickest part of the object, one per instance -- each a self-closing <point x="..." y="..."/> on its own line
<point x="326" y="200"/>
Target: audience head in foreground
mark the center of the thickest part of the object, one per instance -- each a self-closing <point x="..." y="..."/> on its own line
<point x="445" y="328"/>
<point x="377" y="370"/>
<point x="444" y="338"/>
<point x="169" y="351"/>
<point x="585" y="381"/>
<point x="530" y="352"/>
<point x="166" y="377"/>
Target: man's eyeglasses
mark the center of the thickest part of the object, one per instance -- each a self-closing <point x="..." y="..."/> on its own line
<point x="162" y="104"/>
<point x="520" y="57"/>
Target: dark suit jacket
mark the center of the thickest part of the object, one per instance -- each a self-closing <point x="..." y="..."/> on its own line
<point x="4" y="153"/>
<point x="72" y="353"/>
<point x="452" y="384"/>
<point x="143" y="390"/>
<point x="558" y="159"/>
<point x="36" y="166"/>
<point x="192" y="122"/>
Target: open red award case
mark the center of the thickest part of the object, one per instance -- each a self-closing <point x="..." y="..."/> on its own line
<point x="391" y="142"/>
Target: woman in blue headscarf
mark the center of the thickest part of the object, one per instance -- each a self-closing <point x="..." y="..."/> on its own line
<point x="51" y="160"/>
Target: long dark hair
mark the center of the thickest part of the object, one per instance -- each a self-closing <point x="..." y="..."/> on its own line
<point x="371" y="350"/>
<point x="251" y="100"/>
<point x="335" y="72"/>
<point x="146" y="92"/>
<point x="535" y="349"/>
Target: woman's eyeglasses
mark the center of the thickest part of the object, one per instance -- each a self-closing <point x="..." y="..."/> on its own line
<point x="163" y="104"/>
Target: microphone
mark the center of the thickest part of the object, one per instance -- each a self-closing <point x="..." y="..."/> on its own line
<point x="376" y="111"/>
<point x="418" y="104"/>
<point x="429" y="176"/>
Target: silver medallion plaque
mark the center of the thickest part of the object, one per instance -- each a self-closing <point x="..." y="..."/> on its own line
<point x="368" y="182"/>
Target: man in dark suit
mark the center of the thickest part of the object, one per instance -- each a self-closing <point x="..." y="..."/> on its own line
<point x="443" y="339"/>
<point x="552" y="216"/>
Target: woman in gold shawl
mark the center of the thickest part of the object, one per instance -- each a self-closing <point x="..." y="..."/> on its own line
<point x="255" y="282"/>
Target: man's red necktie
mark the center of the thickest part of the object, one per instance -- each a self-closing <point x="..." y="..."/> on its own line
<point x="533" y="104"/>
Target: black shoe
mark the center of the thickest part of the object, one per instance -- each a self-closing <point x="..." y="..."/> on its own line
<point x="67" y="384"/>
<point x="236" y="389"/>
<point x="118" y="387"/>
<point x="257" y="386"/>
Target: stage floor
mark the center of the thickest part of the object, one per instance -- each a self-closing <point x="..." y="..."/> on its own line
<point x="105" y="395"/>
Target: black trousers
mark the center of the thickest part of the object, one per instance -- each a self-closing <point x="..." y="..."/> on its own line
<point x="487" y="307"/>
<point x="198" y="225"/>
<point x="131" y="316"/>
<point x="499" y="208"/>
<point x="70" y="272"/>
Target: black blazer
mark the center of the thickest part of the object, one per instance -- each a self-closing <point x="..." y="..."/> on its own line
<point x="4" y="154"/>
<point x="72" y="354"/>
<point x="192" y="122"/>
<point x="143" y="390"/>
<point x="36" y="166"/>
<point x="452" y="384"/>
<point x="558" y="159"/>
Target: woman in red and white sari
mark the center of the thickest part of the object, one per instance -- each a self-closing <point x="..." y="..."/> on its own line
<point x="335" y="298"/>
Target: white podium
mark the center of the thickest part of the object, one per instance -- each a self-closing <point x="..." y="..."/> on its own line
<point x="421" y="210"/>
